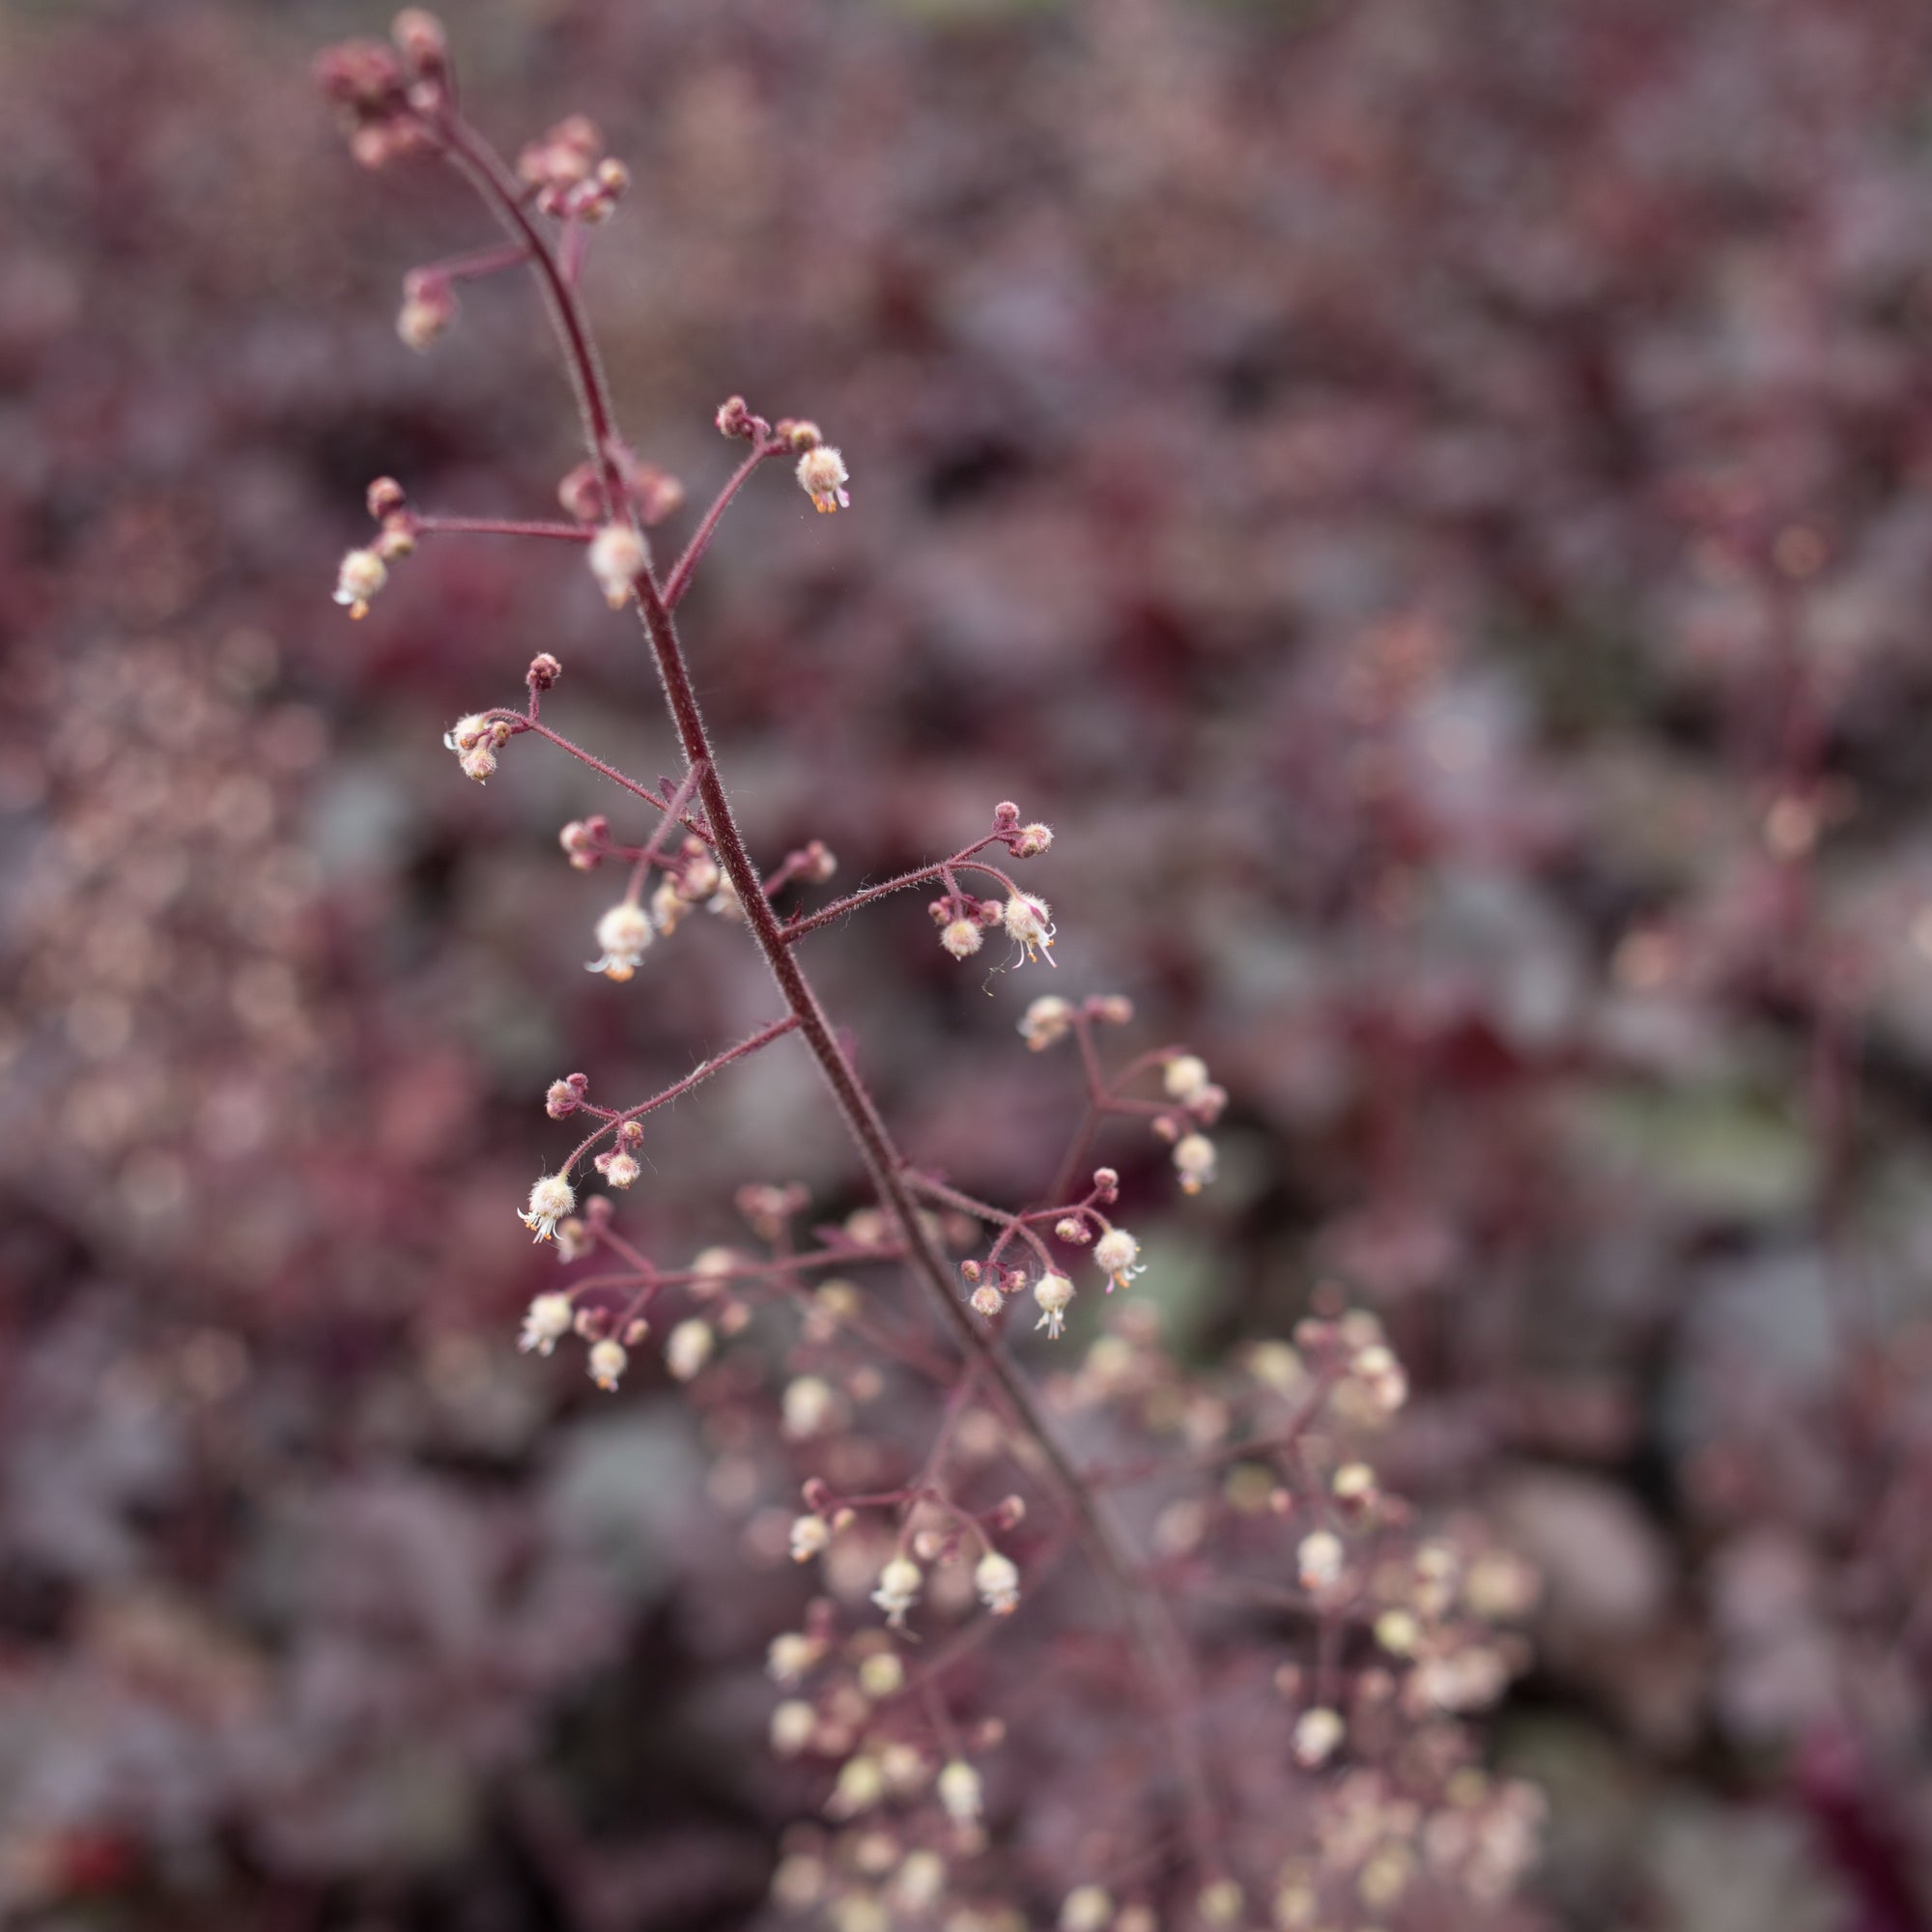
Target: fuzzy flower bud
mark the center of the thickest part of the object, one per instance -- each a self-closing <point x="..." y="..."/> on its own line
<point x="793" y="1723"/>
<point x="1074" y="1231"/>
<point x="687" y="1348"/>
<point x="961" y="938"/>
<point x="550" y="1199"/>
<point x="809" y="1405"/>
<point x="607" y="1362"/>
<point x="898" y="1589"/>
<point x="1319" y="1561"/>
<point x="561" y="1098"/>
<point x="1087" y="1908"/>
<point x="361" y="575"/>
<point x="1185" y="1075"/>
<point x="624" y="935"/>
<point x="958" y="1787"/>
<point x="986" y="1300"/>
<point x="618" y="1167"/>
<point x="1117" y="1252"/>
<point x="1030" y="926"/>
<point x="1047" y="1021"/>
<point x="618" y="558"/>
<point x="862" y="1784"/>
<point x="1317" y="1734"/>
<point x="787" y="1658"/>
<point x="1031" y="840"/>
<point x="997" y="1579"/>
<point x="1194" y="1162"/>
<point x="1053" y="1292"/>
<point x="429" y="307"/>
<point x="809" y="1534"/>
<point x="546" y="1322"/>
<point x="822" y="476"/>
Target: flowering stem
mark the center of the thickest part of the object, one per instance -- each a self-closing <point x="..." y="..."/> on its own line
<point x="797" y="928"/>
<point x="679" y="579"/>
<point x="983" y="1210"/>
<point x="762" y="1038"/>
<point x="1169" y="1676"/>
<point x="525" y="722"/>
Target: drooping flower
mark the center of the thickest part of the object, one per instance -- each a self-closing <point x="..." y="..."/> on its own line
<point x="1047" y="1021"/>
<point x="822" y="476"/>
<point x="608" y="1363"/>
<point x="958" y="1787"/>
<point x="1117" y="1252"/>
<point x="550" y="1199"/>
<point x="361" y="573"/>
<point x="617" y="559"/>
<point x="898" y="1589"/>
<point x="1053" y="1292"/>
<point x="625" y="935"/>
<point x="997" y="1579"/>
<point x="1030" y="926"/>
<point x="546" y="1322"/>
<point x="1194" y="1161"/>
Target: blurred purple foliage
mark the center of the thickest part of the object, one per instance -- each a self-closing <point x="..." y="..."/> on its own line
<point x="1427" y="496"/>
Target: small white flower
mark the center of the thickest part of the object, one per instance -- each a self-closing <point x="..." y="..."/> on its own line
<point x="550" y="1200"/>
<point x="787" y="1658"/>
<point x="898" y="1589"/>
<point x="822" y="476"/>
<point x="1117" y="1252"/>
<point x="920" y="1883"/>
<point x="986" y="1300"/>
<point x="546" y="1322"/>
<point x="608" y="1363"/>
<point x="687" y="1348"/>
<point x="862" y="1784"/>
<point x="997" y="1579"/>
<point x="624" y="934"/>
<point x="1030" y="926"/>
<point x="809" y="1407"/>
<point x="617" y="559"/>
<point x="1053" y="1292"/>
<point x="1049" y="1019"/>
<point x="793" y="1723"/>
<point x="1382" y="1374"/>
<point x="959" y="1791"/>
<point x="1194" y="1160"/>
<point x="1319" y="1559"/>
<point x="881" y="1675"/>
<point x="361" y="576"/>
<point x="963" y="938"/>
<point x="1185" y="1077"/>
<point x="1317" y="1734"/>
<point x="1034" y="839"/>
<point x="1087" y="1908"/>
<point x="809" y="1534"/>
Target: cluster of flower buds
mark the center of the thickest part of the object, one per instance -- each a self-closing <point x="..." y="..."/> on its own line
<point x="476" y="740"/>
<point x="963" y="921"/>
<point x="571" y="178"/>
<point x="429" y="307"/>
<point x="366" y="570"/>
<point x="1198" y="1103"/>
<point x="648" y="492"/>
<point x="1023" y="841"/>
<point x="381" y="93"/>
